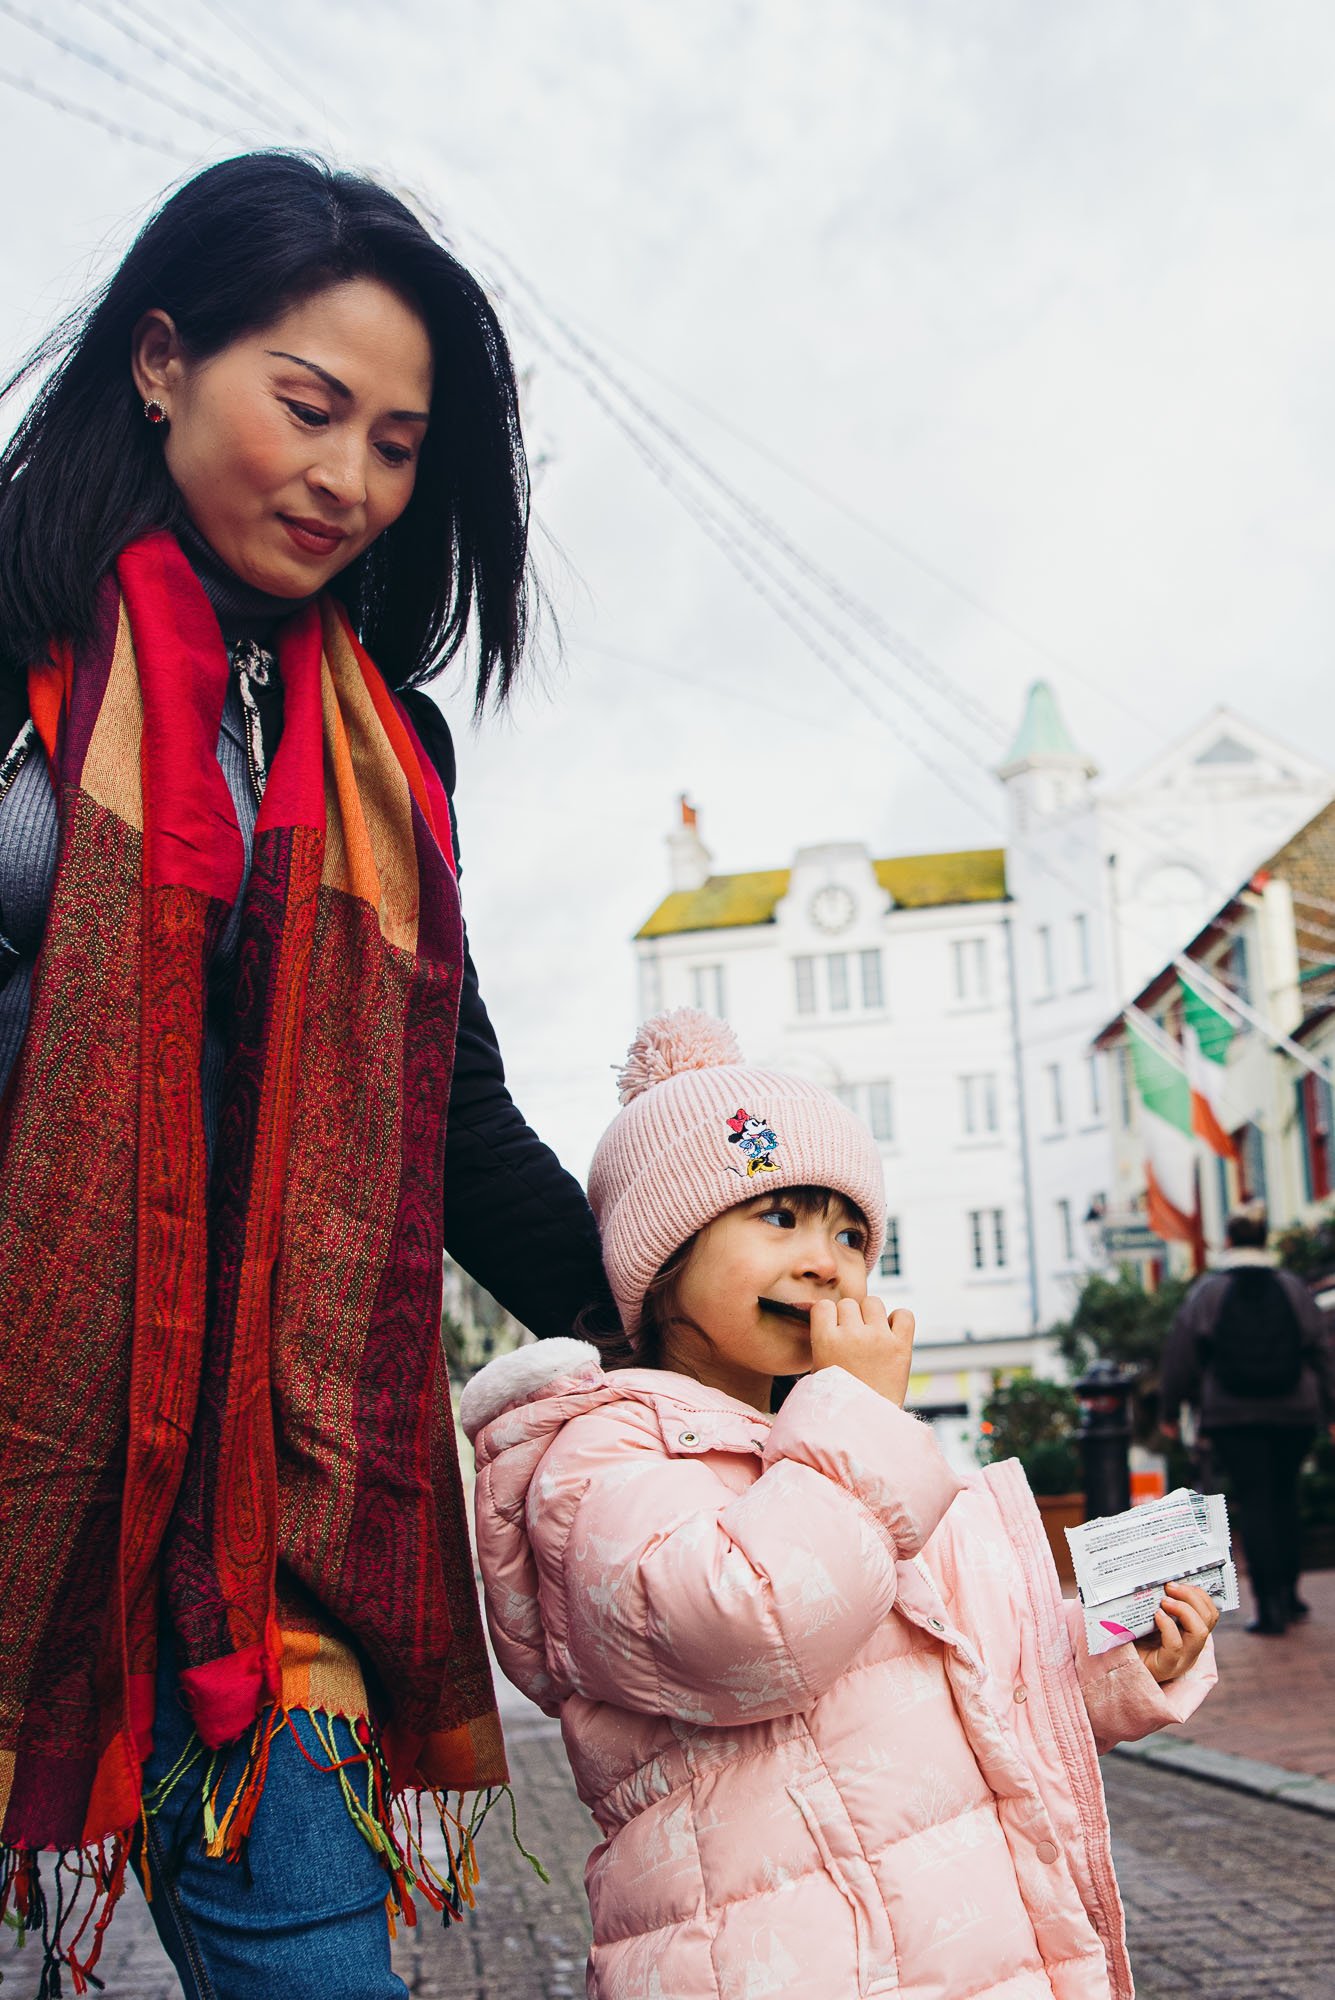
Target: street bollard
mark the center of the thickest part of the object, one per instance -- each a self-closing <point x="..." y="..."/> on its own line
<point x="1105" y="1438"/>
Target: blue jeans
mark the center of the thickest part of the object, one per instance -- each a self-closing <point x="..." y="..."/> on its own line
<point x="303" y="1915"/>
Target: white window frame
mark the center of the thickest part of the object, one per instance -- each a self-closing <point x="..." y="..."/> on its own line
<point x="1066" y="1229"/>
<point x="804" y="984"/>
<point x="1056" y="1097"/>
<point x="871" y="979"/>
<point x="987" y="1234"/>
<point x="838" y="986"/>
<point x="1046" y="961"/>
<point x="892" y="1255"/>
<point x="881" y="1111"/>
<point x="980" y="1113"/>
<point x="1084" y="952"/>
<point x="969" y="964"/>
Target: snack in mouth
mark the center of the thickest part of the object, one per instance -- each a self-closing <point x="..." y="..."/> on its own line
<point x="802" y="1314"/>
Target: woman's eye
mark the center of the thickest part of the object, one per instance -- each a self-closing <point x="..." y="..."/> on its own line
<point x="314" y="419"/>
<point x="396" y="454"/>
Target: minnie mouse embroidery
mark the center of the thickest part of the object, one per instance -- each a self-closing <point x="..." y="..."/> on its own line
<point x="757" y="1141"/>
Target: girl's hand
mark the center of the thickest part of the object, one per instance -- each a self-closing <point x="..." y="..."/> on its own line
<point x="1186" y="1617"/>
<point x="857" y="1335"/>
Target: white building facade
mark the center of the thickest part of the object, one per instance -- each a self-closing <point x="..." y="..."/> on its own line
<point x="953" y="1001"/>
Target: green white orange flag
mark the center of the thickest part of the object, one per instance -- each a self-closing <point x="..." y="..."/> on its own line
<point x="1166" y="1129"/>
<point x="1206" y="1038"/>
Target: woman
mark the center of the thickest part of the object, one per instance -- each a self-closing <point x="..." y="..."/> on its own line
<point x="237" y="1615"/>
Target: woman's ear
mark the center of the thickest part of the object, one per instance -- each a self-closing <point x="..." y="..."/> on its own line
<point x="156" y="358"/>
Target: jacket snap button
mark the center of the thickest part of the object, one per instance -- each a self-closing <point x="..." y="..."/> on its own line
<point x="1046" y="1851"/>
<point x="936" y="1625"/>
<point x="1022" y="1694"/>
<point x="688" y="1437"/>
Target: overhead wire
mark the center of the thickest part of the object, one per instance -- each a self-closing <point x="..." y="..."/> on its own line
<point x="750" y="561"/>
<point x="216" y="77"/>
<point x="879" y="532"/>
<point x="92" y="59"/>
<point x="763" y="524"/>
<point x="90" y="116"/>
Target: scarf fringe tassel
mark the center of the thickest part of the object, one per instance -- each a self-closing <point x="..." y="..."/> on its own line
<point x="69" y="1915"/>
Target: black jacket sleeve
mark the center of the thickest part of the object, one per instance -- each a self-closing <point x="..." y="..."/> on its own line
<point x="514" y="1218"/>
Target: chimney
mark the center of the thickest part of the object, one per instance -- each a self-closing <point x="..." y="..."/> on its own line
<point x="689" y="860"/>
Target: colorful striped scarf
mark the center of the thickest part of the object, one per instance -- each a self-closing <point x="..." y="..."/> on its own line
<point x="207" y="1372"/>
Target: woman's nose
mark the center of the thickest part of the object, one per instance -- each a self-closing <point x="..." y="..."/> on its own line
<point x="340" y="471"/>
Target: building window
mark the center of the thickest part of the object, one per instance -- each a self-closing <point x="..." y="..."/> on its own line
<point x="1094" y="1077"/>
<point x="1314" y="1123"/>
<point x="873" y="985"/>
<point x="1065" y="1234"/>
<point x="890" y="1265"/>
<point x="804" y="985"/>
<point x="1122" y="1066"/>
<point x="1235" y="970"/>
<point x="1251" y="1163"/>
<point x="1046" y="961"/>
<point x="836" y="973"/>
<point x="707" y="989"/>
<point x="881" y="1112"/>
<point x="969" y="965"/>
<point x="1083" y="963"/>
<point x="1056" y="1105"/>
<point x="978" y="1105"/>
<point x="987" y="1238"/>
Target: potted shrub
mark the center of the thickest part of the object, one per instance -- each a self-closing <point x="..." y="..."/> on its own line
<point x="1036" y="1422"/>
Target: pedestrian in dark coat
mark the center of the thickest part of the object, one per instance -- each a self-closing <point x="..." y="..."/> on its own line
<point x="1250" y="1353"/>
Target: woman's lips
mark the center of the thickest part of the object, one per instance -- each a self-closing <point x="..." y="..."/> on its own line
<point x="312" y="537"/>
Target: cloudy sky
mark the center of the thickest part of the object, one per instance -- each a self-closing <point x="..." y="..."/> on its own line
<point x="1016" y="317"/>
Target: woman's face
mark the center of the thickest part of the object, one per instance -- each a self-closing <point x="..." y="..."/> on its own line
<point x="297" y="445"/>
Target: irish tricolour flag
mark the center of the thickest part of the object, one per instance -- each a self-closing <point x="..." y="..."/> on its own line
<point x="1170" y="1145"/>
<point x="1206" y="1037"/>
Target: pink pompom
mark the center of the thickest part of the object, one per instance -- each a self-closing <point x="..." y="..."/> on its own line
<point x="681" y="1039"/>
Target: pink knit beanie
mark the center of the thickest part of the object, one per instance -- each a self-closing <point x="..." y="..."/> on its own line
<point x="699" y="1133"/>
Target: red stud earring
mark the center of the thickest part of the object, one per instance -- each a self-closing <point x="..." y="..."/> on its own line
<point x="155" y="411"/>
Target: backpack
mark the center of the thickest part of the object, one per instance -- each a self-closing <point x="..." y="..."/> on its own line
<point x="1257" y="1346"/>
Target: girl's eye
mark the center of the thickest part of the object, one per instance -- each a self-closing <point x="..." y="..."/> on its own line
<point x="780" y="1218"/>
<point x="853" y="1238"/>
<point x="313" y="419"/>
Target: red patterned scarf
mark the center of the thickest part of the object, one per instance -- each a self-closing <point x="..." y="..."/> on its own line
<point x="205" y="1373"/>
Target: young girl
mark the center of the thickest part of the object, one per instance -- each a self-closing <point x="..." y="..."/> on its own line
<point x="821" y="1694"/>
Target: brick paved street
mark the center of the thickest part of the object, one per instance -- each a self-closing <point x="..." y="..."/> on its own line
<point x="1228" y="1897"/>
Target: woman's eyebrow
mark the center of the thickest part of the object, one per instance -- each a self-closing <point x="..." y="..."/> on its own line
<point x="341" y="388"/>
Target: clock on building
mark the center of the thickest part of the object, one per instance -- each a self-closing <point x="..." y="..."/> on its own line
<point x="832" y="908"/>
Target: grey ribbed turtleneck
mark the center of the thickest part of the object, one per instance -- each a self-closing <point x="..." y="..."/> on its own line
<point x="29" y="831"/>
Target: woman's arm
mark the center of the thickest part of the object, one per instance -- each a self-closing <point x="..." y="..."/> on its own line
<point x="514" y="1218"/>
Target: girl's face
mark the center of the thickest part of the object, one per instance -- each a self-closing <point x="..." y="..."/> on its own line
<point x="297" y="445"/>
<point x="766" y="1248"/>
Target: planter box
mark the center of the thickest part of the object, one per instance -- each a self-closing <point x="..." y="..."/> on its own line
<point x="1061" y="1511"/>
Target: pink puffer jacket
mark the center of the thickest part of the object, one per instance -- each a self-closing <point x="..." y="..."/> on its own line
<point x="822" y="1698"/>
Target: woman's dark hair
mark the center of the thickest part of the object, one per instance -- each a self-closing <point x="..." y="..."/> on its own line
<point x="229" y="252"/>
<point x="661" y="1310"/>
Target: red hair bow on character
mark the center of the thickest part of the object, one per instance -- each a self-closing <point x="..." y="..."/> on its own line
<point x="739" y="1121"/>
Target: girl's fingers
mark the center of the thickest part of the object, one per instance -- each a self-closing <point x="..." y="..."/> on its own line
<point x="1199" y="1600"/>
